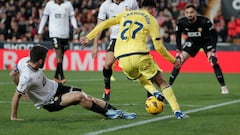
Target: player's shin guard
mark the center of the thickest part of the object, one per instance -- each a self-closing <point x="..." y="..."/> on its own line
<point x="173" y="75"/>
<point x="170" y="97"/>
<point x="219" y="74"/>
<point x="107" y="73"/>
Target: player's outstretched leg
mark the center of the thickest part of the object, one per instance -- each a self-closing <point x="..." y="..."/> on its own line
<point x="170" y="97"/>
<point x="107" y="73"/>
<point x="108" y="110"/>
<point x="173" y="76"/>
<point x="220" y="78"/>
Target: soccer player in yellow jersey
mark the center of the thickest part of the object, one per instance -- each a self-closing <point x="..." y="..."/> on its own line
<point x="132" y="52"/>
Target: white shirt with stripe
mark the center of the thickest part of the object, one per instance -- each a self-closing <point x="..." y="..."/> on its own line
<point x="59" y="18"/>
<point x="35" y="84"/>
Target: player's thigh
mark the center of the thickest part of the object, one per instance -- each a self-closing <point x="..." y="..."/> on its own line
<point x="148" y="67"/>
<point x="191" y="48"/>
<point x="72" y="98"/>
<point x="109" y="59"/>
<point x="185" y="55"/>
<point x="60" y="44"/>
<point x="129" y="66"/>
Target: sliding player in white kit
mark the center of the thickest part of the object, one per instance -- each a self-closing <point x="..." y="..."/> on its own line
<point x="50" y="95"/>
<point x="108" y="9"/>
<point x="60" y="12"/>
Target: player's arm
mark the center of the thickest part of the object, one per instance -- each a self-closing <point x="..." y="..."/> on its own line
<point x="212" y="36"/>
<point x="211" y="45"/>
<point x="95" y="42"/>
<point x="14" y="74"/>
<point x="179" y="42"/>
<point x="23" y="85"/>
<point x="41" y="25"/>
<point x="74" y="24"/>
<point x="73" y="19"/>
<point x="14" y="106"/>
<point x="99" y="28"/>
<point x="43" y="21"/>
<point x="157" y="42"/>
<point x="159" y="46"/>
<point x="178" y="38"/>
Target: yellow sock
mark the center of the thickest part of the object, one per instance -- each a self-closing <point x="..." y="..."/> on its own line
<point x="148" y="85"/>
<point x="170" y="97"/>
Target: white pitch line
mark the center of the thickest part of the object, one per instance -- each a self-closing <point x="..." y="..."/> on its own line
<point x="158" y="118"/>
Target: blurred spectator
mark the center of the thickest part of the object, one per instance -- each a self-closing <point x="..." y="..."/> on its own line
<point x="232" y="32"/>
<point x="20" y="18"/>
<point x="238" y="27"/>
<point x="220" y="26"/>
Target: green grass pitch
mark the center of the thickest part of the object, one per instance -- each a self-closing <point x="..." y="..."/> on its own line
<point x="211" y="113"/>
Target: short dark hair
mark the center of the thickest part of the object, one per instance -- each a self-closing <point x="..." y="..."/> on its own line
<point x="149" y="3"/>
<point x="190" y="6"/>
<point x="38" y="52"/>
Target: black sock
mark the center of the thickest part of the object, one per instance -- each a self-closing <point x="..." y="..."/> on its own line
<point x="173" y="75"/>
<point x="149" y="94"/>
<point x="56" y="72"/>
<point x="109" y="106"/>
<point x="219" y="74"/>
<point x="96" y="108"/>
<point x="107" y="73"/>
<point x="60" y="70"/>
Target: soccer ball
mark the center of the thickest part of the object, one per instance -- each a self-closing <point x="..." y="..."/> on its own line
<point x="153" y="105"/>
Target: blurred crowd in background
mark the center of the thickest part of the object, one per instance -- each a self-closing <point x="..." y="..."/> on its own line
<point x="19" y="19"/>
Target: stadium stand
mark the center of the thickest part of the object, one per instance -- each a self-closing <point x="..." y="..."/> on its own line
<point x="19" y="19"/>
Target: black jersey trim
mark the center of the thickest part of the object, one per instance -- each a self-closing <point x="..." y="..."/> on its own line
<point x="135" y="53"/>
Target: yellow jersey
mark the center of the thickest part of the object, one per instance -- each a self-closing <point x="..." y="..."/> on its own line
<point x="135" y="26"/>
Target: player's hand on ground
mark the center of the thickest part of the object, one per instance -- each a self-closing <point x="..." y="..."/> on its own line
<point x="84" y="40"/>
<point x="16" y="119"/>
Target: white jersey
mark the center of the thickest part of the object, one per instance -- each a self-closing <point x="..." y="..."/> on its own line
<point x="59" y="18"/>
<point x="109" y="9"/>
<point x="35" y="84"/>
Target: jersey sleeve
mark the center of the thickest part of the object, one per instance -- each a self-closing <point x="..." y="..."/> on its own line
<point x="23" y="84"/>
<point x="46" y="10"/>
<point x="71" y="10"/>
<point x="102" y="14"/>
<point x="157" y="42"/>
<point x="134" y="5"/>
<point x="178" y="36"/>
<point x="104" y="25"/>
<point x="212" y="34"/>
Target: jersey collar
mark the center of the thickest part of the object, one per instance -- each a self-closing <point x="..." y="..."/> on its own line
<point x="31" y="68"/>
<point x="117" y="3"/>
